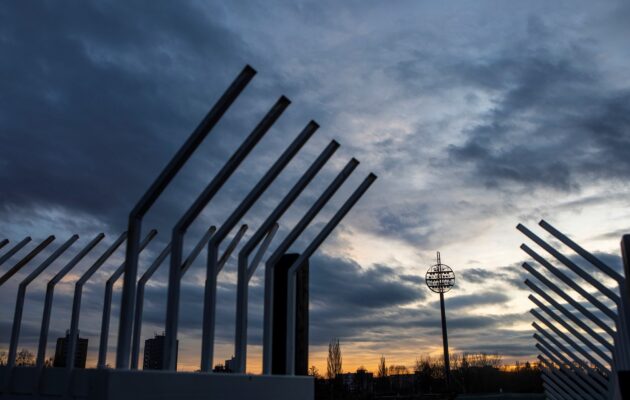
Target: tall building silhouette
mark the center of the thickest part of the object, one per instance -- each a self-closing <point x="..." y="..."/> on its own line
<point x="154" y="352"/>
<point x="61" y="350"/>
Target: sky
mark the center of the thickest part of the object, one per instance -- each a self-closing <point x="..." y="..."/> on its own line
<point x="475" y="116"/>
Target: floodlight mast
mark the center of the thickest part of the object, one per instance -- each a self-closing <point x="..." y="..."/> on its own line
<point x="440" y="278"/>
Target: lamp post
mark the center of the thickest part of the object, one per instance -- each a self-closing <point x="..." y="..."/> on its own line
<point x="440" y="278"/>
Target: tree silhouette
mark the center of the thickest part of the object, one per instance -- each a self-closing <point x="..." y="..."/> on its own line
<point x="334" y="359"/>
<point x="382" y="368"/>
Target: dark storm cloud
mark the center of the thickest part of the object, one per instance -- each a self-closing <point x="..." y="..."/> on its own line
<point x="555" y="123"/>
<point x="101" y="95"/>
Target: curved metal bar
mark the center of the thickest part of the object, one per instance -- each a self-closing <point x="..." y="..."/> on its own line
<point x="569" y="300"/>
<point x="177" y="241"/>
<point x="569" y="282"/>
<point x="137" y="325"/>
<point x="284" y="246"/>
<point x="245" y="271"/>
<point x="149" y="198"/>
<point x="21" y="295"/>
<point x="192" y="256"/>
<point x="306" y="254"/>
<point x="210" y="291"/>
<point x="14" y="249"/>
<point x="570" y="264"/>
<point x="76" y="302"/>
<point x="50" y="290"/>
<point x="242" y="289"/>
<point x="107" y="304"/>
<point x="20" y="264"/>
<point x="573" y="331"/>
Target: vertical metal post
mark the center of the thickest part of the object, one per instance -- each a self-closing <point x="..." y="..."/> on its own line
<point x="283" y="247"/>
<point x="269" y="228"/>
<point x="207" y="341"/>
<point x="18" y="266"/>
<point x="14" y="250"/>
<point x="149" y="198"/>
<point x="76" y="302"/>
<point x="107" y="304"/>
<point x="447" y="364"/>
<point x="177" y="241"/>
<point x="137" y="324"/>
<point x="19" y="303"/>
<point x="311" y="248"/>
<point x="50" y="290"/>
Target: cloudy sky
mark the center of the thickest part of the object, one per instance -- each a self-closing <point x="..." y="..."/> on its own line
<point x="474" y="115"/>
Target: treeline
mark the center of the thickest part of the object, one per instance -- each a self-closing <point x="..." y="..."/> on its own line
<point x="470" y="373"/>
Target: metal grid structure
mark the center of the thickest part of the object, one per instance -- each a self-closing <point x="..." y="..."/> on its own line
<point x="128" y="344"/>
<point x="581" y="326"/>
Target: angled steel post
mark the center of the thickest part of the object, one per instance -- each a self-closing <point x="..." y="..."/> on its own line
<point x="568" y="377"/>
<point x="137" y="315"/>
<point x="76" y="302"/>
<point x="14" y="250"/>
<point x="306" y="254"/>
<point x="580" y="375"/>
<point x="177" y="241"/>
<point x="19" y="303"/>
<point x="569" y="282"/>
<point x="209" y="310"/>
<point x="581" y="251"/>
<point x="245" y="270"/>
<point x="570" y="264"/>
<point x="107" y="304"/>
<point x="240" y="346"/>
<point x="595" y="376"/>
<point x="573" y="332"/>
<point x="189" y="260"/>
<point x="149" y="198"/>
<point x="283" y="247"/>
<point x="20" y="264"/>
<point x="561" y="378"/>
<point x="569" y="300"/>
<point x="3" y="242"/>
<point x="551" y="385"/>
<point x="573" y="319"/>
<point x="595" y="380"/>
<point x="50" y="290"/>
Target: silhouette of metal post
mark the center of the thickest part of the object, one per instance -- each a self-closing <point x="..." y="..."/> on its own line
<point x="50" y="291"/>
<point x="137" y="324"/>
<point x="283" y="247"/>
<point x="78" y="293"/>
<point x="207" y="343"/>
<point x="268" y="228"/>
<point x="3" y="242"/>
<point x="149" y="198"/>
<point x="19" y="303"/>
<point x="177" y="240"/>
<point x="440" y="278"/>
<point x="297" y="264"/>
<point x="14" y="250"/>
<point x="20" y="264"/>
<point x="107" y="304"/>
